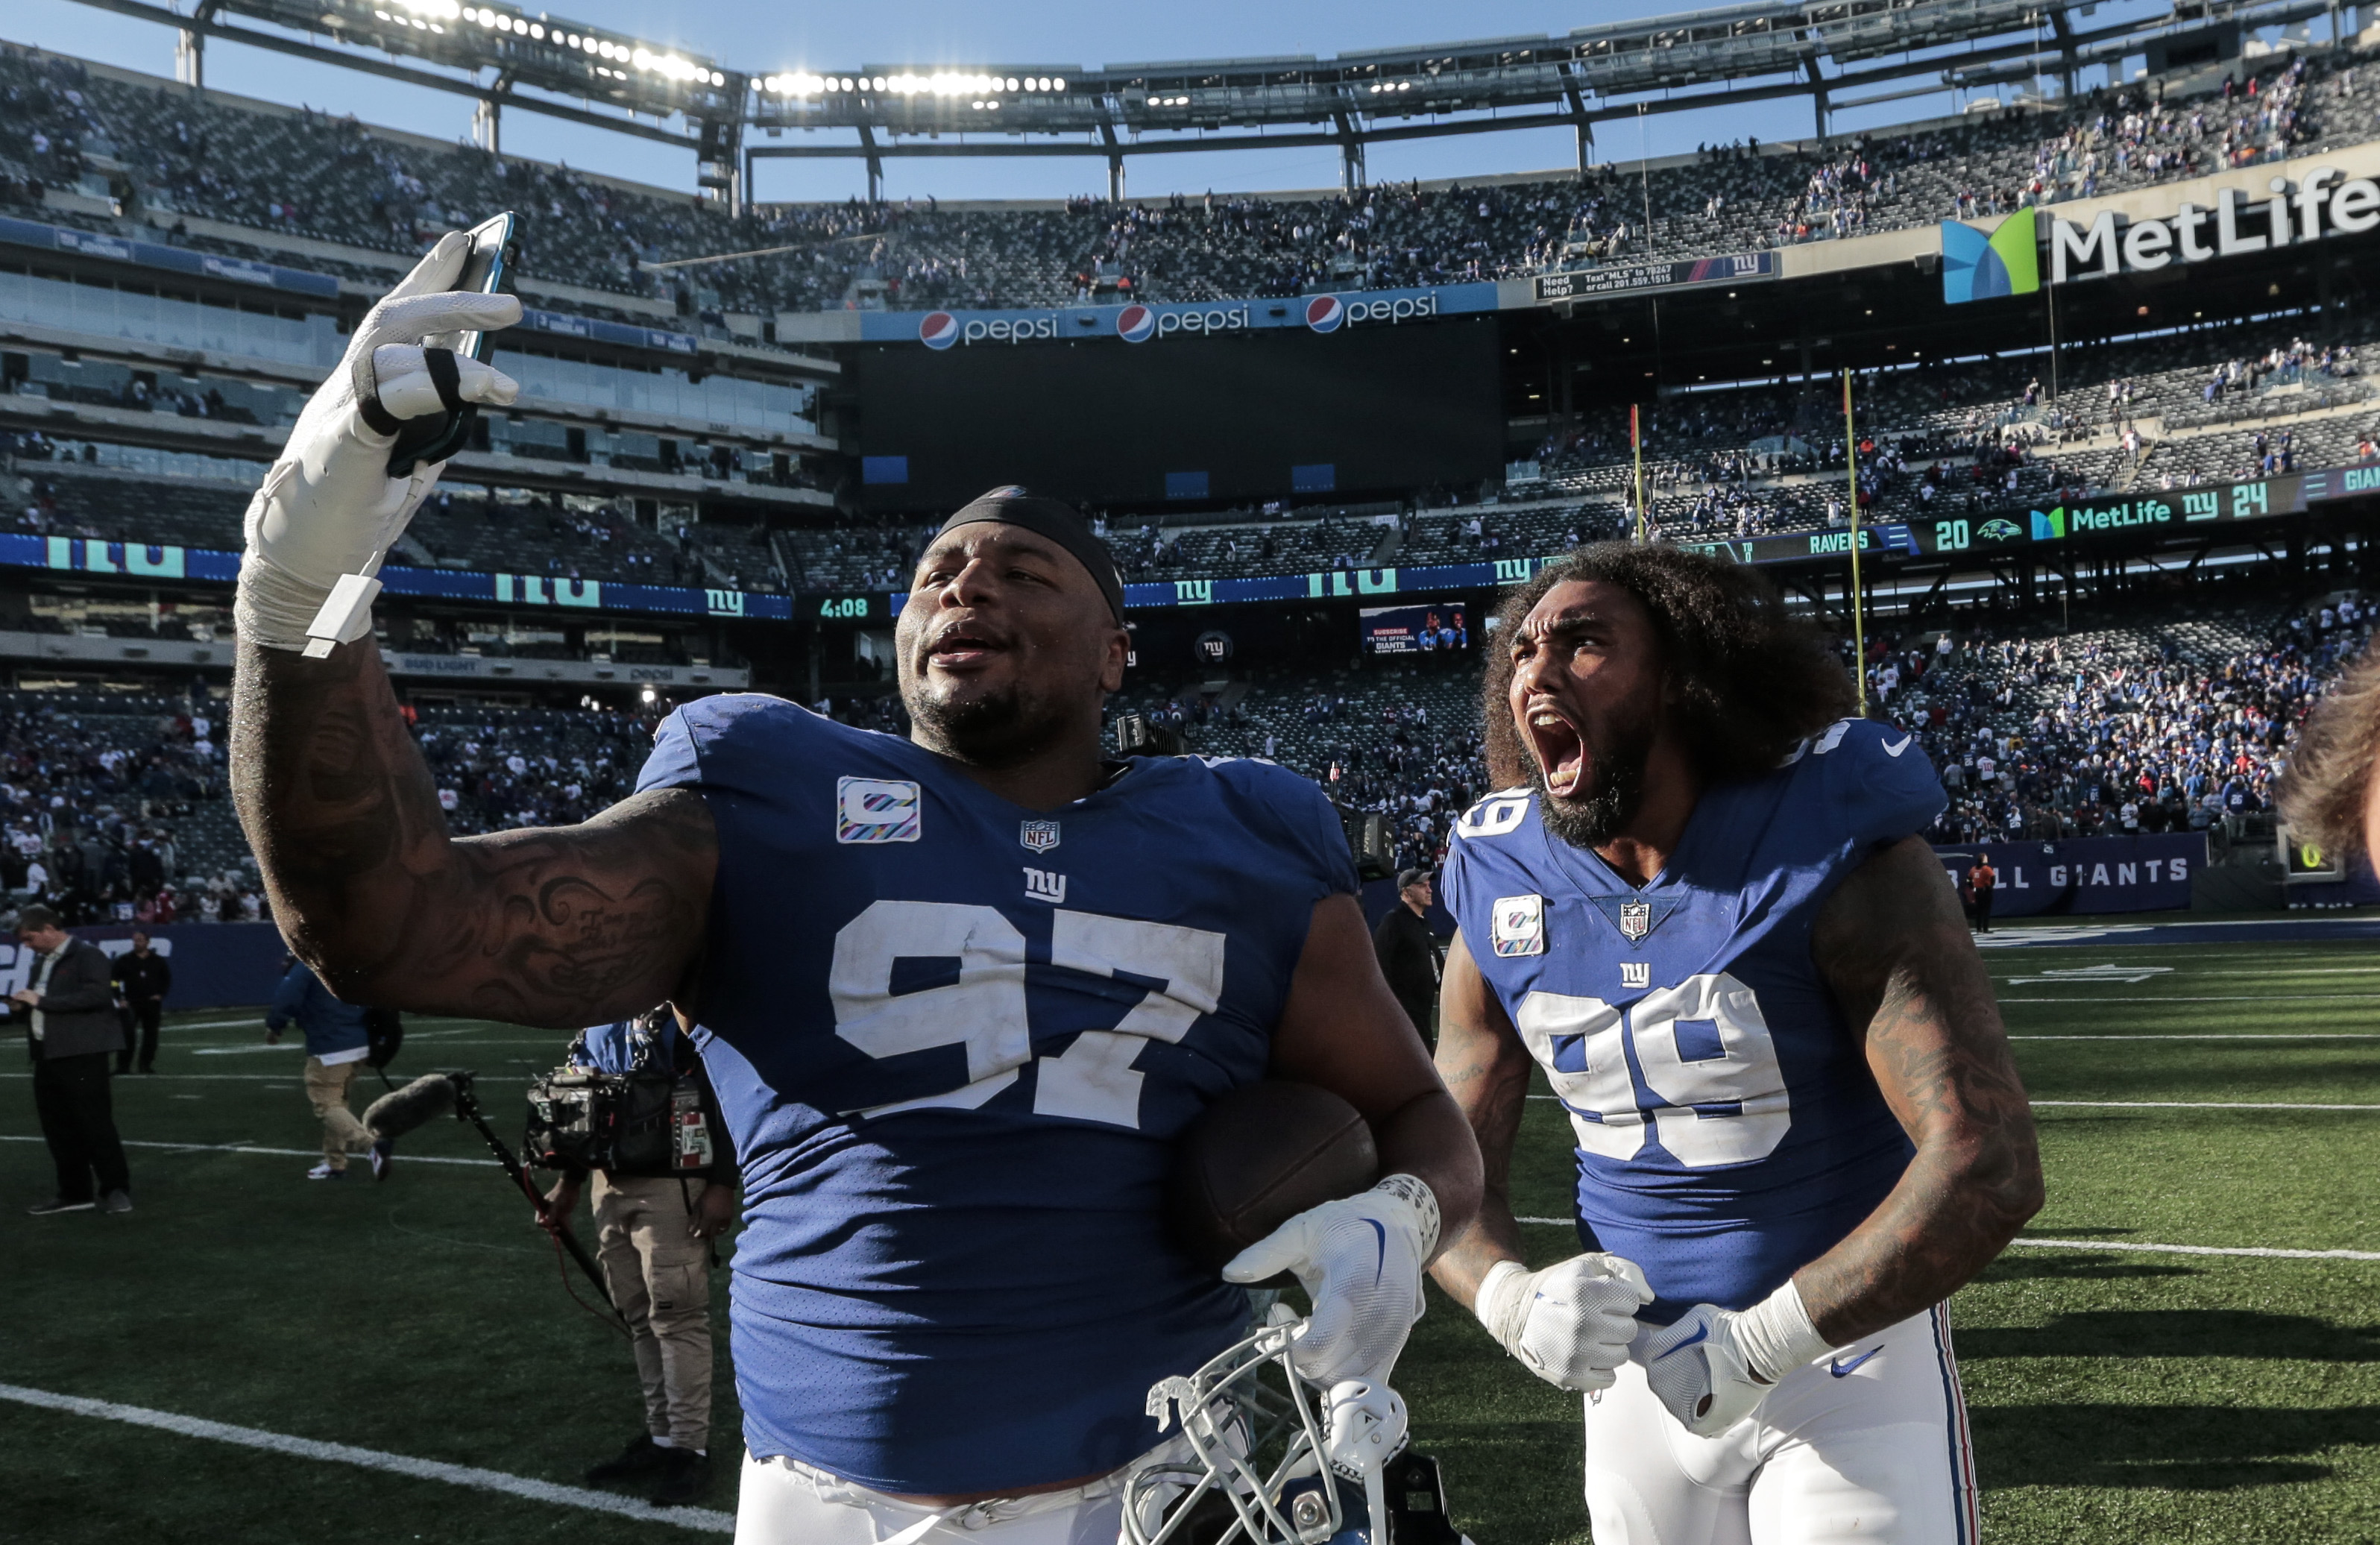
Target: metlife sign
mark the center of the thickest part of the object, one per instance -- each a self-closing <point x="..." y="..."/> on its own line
<point x="1138" y="323"/>
<point x="2259" y="209"/>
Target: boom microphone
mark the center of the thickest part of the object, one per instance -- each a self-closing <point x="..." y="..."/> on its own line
<point x="416" y="1104"/>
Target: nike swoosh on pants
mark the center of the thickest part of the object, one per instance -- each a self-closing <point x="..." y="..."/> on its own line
<point x="1839" y="1367"/>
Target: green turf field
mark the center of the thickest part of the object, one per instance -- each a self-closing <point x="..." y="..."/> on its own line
<point x="2117" y="1395"/>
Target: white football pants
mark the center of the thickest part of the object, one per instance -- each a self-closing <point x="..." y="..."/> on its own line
<point x="1867" y="1447"/>
<point x="784" y="1501"/>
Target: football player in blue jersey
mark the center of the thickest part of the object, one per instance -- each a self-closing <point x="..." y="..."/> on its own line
<point x="957" y="993"/>
<point x="1700" y="907"/>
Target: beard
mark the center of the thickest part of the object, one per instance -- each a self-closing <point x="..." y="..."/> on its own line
<point x="988" y="729"/>
<point x="1599" y="810"/>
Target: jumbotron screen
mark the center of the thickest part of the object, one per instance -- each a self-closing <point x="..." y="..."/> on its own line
<point x="1254" y="417"/>
<point x="1429" y="627"/>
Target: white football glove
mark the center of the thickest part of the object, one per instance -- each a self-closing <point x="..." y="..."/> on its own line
<point x="1360" y="1259"/>
<point x="1714" y="1367"/>
<point x="1571" y="1323"/>
<point x="328" y="509"/>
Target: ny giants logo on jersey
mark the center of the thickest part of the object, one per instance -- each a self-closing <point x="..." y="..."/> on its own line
<point x="1045" y="885"/>
<point x="1039" y="836"/>
<point x="1520" y="925"/>
<point x="876" y="809"/>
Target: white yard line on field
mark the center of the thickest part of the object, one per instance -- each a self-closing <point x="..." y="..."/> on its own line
<point x="402" y="1157"/>
<point x="2257" y="1250"/>
<point x="2226" y="998"/>
<point x="707" y="1520"/>
<point x="2164" y="1105"/>
<point x="2200" y="1105"/>
<point x="2219" y="1035"/>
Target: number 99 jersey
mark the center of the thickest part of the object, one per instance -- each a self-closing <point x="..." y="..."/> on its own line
<point x="1728" y="1130"/>
<point x="953" y="1041"/>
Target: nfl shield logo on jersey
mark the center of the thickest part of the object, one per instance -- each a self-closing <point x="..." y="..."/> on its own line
<point x="876" y="809"/>
<point x="1039" y="836"/>
<point x="1636" y="920"/>
<point x="1520" y="925"/>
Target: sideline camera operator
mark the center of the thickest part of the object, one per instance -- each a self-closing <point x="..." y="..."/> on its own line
<point x="653" y="1234"/>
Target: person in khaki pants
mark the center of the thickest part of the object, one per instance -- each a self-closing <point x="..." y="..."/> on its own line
<point x="337" y="1040"/>
<point x="653" y="1239"/>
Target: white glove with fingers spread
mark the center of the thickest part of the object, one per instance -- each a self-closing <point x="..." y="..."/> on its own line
<point x="328" y="511"/>
<point x="1714" y="1367"/>
<point x="1360" y="1259"/>
<point x="1571" y="1323"/>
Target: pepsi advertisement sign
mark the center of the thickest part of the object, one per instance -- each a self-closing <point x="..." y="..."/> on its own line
<point x="1151" y="321"/>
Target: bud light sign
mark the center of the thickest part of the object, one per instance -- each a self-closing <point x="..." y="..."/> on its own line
<point x="1153" y="321"/>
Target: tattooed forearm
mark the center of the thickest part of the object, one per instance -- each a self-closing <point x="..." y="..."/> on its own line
<point x="565" y="927"/>
<point x="1894" y="947"/>
<point x="1486" y="1069"/>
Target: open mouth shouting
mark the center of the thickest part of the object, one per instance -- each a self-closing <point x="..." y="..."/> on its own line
<point x="1560" y="747"/>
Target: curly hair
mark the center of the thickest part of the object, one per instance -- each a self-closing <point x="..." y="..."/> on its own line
<point x="1749" y="681"/>
<point x="2330" y="775"/>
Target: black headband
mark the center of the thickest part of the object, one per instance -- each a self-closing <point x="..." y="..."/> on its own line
<point x="1051" y="518"/>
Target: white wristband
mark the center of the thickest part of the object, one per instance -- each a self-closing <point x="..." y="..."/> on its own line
<point x="1502" y="1303"/>
<point x="1776" y="1336"/>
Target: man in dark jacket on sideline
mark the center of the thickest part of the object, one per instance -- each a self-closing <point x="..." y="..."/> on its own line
<point x="68" y="1007"/>
<point x="338" y="1038"/>
<point x="1409" y="953"/>
<point x="143" y="977"/>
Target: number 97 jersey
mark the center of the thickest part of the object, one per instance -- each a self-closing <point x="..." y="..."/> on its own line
<point x="1729" y="1131"/>
<point x="954" y="1040"/>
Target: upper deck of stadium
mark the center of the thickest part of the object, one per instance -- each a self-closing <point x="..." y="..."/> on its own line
<point x="90" y="145"/>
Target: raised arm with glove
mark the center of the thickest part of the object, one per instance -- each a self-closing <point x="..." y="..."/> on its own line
<point x="328" y="512"/>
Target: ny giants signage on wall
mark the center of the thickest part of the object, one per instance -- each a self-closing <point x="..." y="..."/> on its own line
<point x="2087" y="875"/>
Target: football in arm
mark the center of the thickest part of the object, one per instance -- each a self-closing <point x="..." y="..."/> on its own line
<point x="1258" y="1157"/>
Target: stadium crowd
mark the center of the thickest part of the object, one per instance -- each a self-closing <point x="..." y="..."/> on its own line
<point x="162" y="155"/>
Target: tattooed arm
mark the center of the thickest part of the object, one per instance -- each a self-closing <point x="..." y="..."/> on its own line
<point x="1893" y="946"/>
<point x="565" y="927"/>
<point x="1486" y="1069"/>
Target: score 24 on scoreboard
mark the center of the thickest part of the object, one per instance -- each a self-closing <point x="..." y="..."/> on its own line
<point x="2164" y="509"/>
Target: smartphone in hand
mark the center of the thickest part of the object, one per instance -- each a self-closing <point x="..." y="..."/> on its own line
<point x="486" y="269"/>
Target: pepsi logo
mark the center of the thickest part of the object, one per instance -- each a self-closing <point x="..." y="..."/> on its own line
<point x="1135" y="324"/>
<point x="938" y="330"/>
<point x="1323" y="313"/>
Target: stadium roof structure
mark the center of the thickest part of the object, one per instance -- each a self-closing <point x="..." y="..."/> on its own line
<point x="1818" y="49"/>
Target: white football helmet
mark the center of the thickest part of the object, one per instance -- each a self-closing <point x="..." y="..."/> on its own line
<point x="1266" y="1467"/>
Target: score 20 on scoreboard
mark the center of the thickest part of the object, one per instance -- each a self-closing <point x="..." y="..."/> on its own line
<point x="2173" y="508"/>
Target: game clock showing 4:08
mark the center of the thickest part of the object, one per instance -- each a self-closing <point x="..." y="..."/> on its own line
<point x="848" y="608"/>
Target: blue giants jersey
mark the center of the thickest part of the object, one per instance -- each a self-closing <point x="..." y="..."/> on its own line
<point x="1728" y="1129"/>
<point x="953" y="1041"/>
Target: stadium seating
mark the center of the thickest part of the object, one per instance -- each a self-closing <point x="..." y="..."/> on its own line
<point x="164" y="154"/>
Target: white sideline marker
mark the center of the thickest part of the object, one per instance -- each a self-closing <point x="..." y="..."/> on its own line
<point x="708" y="1520"/>
<point x="2120" y="1245"/>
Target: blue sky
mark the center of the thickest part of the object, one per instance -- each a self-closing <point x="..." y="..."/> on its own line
<point x="926" y="32"/>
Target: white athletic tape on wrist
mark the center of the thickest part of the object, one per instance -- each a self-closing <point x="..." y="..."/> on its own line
<point x="1415" y="1192"/>
<point x="1502" y="1302"/>
<point x="345" y="615"/>
<point x="1777" y="1336"/>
